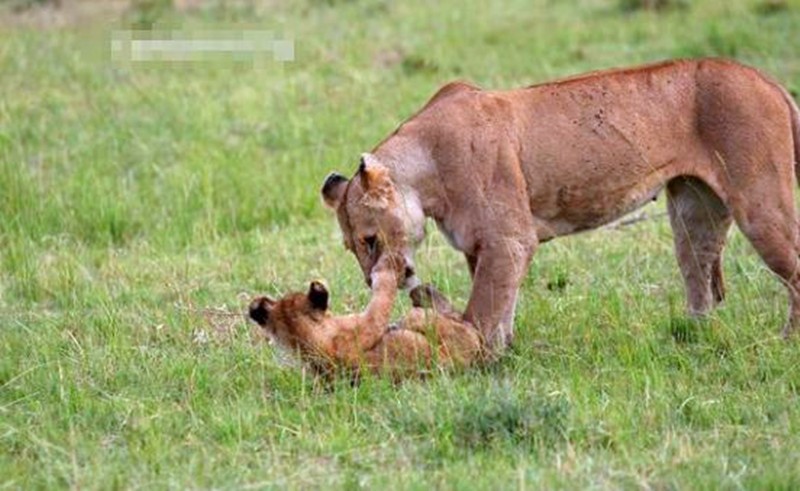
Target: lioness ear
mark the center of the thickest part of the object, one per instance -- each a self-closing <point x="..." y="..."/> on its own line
<point x="373" y="173"/>
<point x="260" y="309"/>
<point x="375" y="181"/>
<point x="332" y="190"/>
<point x="318" y="295"/>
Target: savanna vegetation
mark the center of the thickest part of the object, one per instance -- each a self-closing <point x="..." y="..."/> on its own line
<point x="143" y="204"/>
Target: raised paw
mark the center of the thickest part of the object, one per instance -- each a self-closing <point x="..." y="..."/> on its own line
<point x="390" y="264"/>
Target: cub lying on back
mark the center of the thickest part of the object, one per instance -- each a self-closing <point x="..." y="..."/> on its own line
<point x="327" y="343"/>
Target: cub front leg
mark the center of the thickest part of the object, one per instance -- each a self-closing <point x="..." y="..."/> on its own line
<point x="500" y="268"/>
<point x="359" y="333"/>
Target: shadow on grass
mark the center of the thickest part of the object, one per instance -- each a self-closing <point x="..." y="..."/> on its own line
<point x="486" y="416"/>
<point x="652" y="5"/>
<point x="708" y="333"/>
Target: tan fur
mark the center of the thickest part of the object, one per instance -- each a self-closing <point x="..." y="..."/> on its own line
<point x="424" y="339"/>
<point x="503" y="171"/>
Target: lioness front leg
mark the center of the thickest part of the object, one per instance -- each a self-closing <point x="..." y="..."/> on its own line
<point x="499" y="272"/>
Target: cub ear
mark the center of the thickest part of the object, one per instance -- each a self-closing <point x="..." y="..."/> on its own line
<point x="318" y="295"/>
<point x="260" y="309"/>
<point x="332" y="190"/>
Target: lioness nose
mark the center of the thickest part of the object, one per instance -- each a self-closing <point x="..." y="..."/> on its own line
<point x="369" y="281"/>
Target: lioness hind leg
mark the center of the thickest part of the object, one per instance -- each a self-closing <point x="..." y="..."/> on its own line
<point x="769" y="223"/>
<point x="700" y="223"/>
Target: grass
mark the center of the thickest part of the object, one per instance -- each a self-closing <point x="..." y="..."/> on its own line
<point x="141" y="205"/>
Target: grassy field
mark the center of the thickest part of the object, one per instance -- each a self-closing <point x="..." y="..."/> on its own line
<point x="141" y="205"/>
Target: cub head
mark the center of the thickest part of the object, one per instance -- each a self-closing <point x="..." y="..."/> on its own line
<point x="375" y="217"/>
<point x="287" y="319"/>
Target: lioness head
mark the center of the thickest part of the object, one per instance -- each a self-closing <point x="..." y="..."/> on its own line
<point x="284" y="320"/>
<point x="375" y="217"/>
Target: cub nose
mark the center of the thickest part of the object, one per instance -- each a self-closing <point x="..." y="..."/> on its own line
<point x="409" y="272"/>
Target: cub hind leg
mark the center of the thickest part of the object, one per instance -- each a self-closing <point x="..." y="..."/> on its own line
<point x="427" y="296"/>
<point x="700" y="222"/>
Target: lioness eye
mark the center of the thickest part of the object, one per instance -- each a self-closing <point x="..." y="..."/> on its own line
<point x="371" y="242"/>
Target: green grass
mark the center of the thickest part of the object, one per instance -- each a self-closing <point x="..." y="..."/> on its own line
<point x="142" y="205"/>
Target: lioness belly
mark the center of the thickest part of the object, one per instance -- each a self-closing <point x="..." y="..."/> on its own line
<point x="596" y="189"/>
<point x="583" y="213"/>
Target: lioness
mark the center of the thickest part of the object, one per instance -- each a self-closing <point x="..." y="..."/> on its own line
<point x="301" y="323"/>
<point x="503" y="171"/>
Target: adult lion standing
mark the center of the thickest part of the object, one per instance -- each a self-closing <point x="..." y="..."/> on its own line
<point x="503" y="171"/>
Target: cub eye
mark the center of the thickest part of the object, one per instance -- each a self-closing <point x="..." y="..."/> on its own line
<point x="371" y="241"/>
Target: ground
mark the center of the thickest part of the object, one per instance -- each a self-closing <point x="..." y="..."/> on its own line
<point x="142" y="205"/>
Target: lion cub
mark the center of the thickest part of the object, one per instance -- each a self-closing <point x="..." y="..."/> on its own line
<point x="424" y="338"/>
